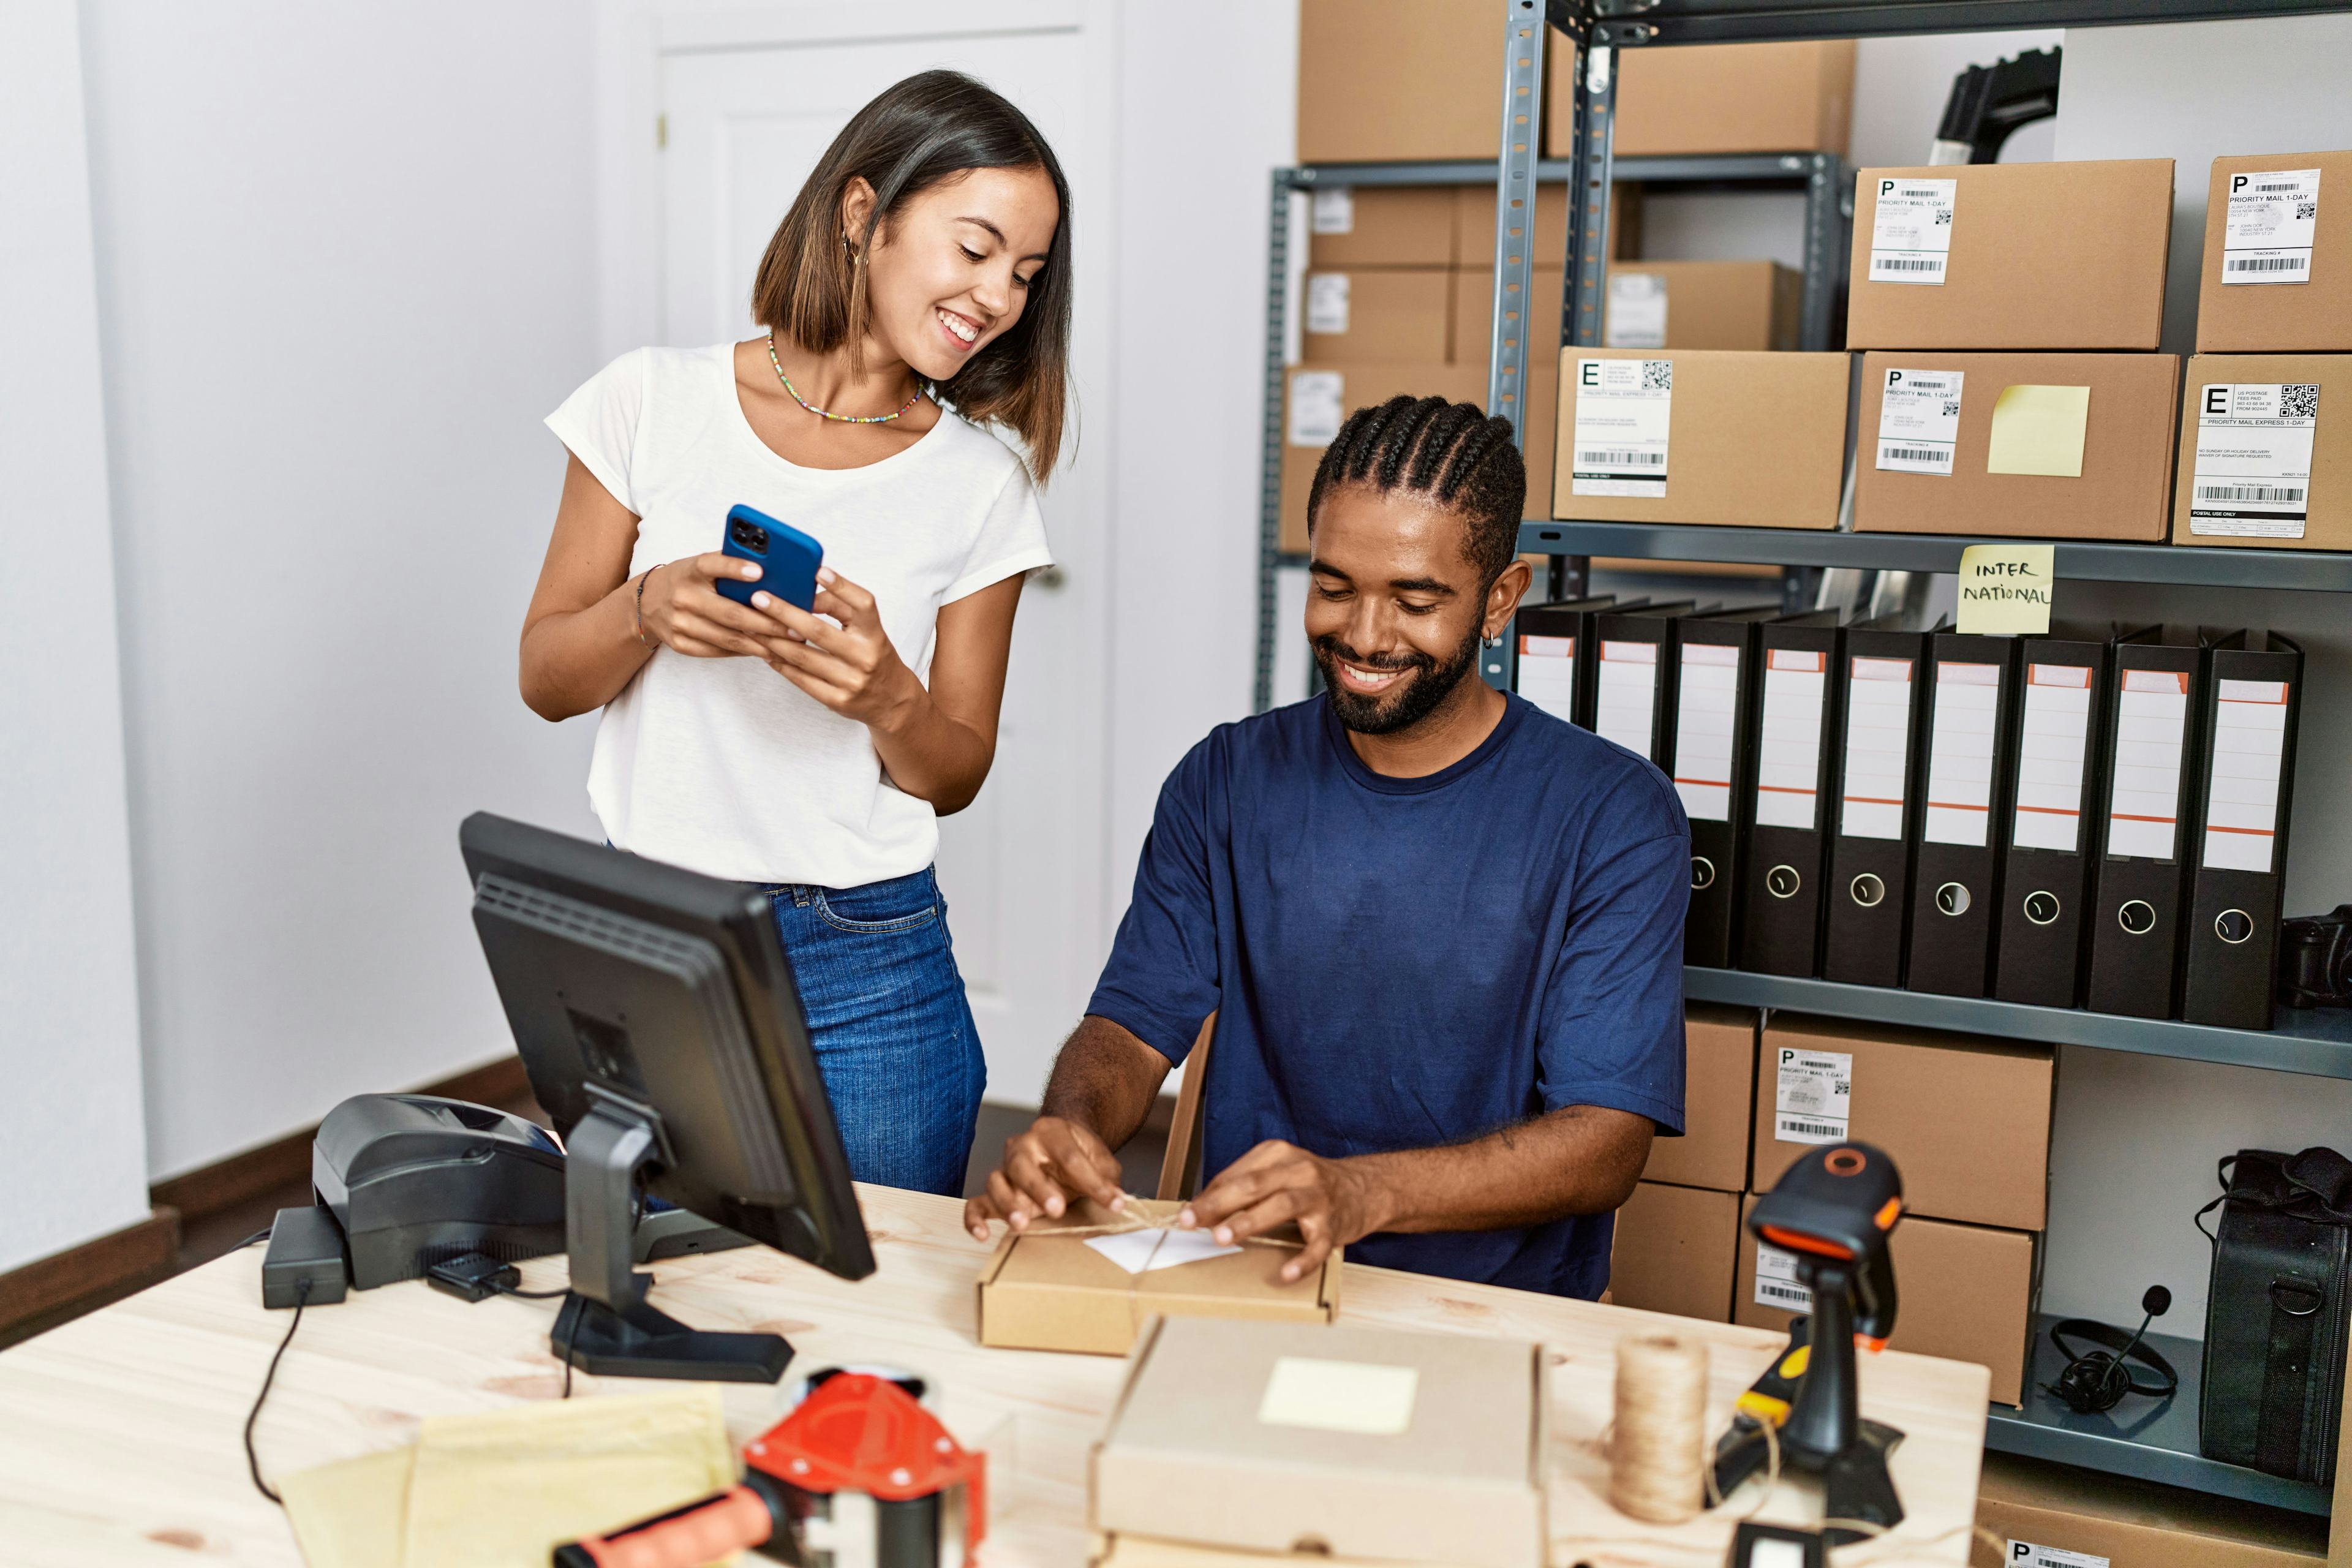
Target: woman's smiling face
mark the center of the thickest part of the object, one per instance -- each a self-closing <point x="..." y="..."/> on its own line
<point x="951" y="271"/>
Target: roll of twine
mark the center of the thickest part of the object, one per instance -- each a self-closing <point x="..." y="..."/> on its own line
<point x="1657" y="1447"/>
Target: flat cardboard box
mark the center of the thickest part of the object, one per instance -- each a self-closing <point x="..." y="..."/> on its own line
<point x="1717" y="98"/>
<point x="2043" y="256"/>
<point x="1718" y="1094"/>
<point x="1040" y="1293"/>
<point x="1341" y="1442"/>
<point x="1964" y="1292"/>
<point x="2130" y="1524"/>
<point x="1719" y="304"/>
<point x="2310" y="317"/>
<point x="1757" y="441"/>
<point x="2329" y="502"/>
<point x="1382" y="226"/>
<point x="1360" y="386"/>
<point x="1537" y="432"/>
<point x="1381" y="314"/>
<point x="1674" y="1251"/>
<point x="2125" y="489"/>
<point x="1474" y="224"/>
<point x="1965" y="1118"/>
<point x="1391" y="81"/>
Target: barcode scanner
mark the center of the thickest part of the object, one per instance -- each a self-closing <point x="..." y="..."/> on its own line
<point x="2097" y="1380"/>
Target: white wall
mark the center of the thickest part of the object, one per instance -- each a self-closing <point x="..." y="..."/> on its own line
<point x="74" y="1162"/>
<point x="345" y="265"/>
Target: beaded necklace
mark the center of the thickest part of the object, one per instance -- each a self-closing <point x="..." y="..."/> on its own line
<point x="843" y="418"/>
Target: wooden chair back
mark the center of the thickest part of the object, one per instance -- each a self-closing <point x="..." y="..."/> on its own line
<point x="1180" y="1171"/>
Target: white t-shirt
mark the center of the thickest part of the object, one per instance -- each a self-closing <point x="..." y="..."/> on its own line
<point x="721" y="765"/>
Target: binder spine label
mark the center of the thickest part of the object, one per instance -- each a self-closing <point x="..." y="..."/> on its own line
<point x="1919" y="420"/>
<point x="2248" y="740"/>
<point x="1911" y="231"/>
<point x="1877" y="748"/>
<point x="1812" y="1096"/>
<point x="1959" y="753"/>
<point x="1788" y="761"/>
<point x="2272" y="220"/>
<point x="1547" y="674"/>
<point x="2051" y="748"/>
<point x="1624" y="698"/>
<point x="1776" y="1280"/>
<point x="2254" y="459"/>
<point x="1707" y="704"/>
<point x="2144" y="807"/>
<point x="1624" y="412"/>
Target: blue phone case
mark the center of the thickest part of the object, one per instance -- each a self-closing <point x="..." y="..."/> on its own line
<point x="788" y="558"/>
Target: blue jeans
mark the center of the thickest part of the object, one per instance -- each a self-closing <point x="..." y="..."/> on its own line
<point x="893" y="1034"/>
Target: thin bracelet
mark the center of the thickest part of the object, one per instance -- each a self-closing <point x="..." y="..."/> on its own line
<point x="642" y="581"/>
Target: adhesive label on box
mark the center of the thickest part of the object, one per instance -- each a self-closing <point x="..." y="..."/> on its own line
<point x="1326" y="301"/>
<point x="1911" y="230"/>
<point x="2272" y="219"/>
<point x="1624" y="410"/>
<point x="1637" y="312"/>
<point x="1919" y="420"/>
<point x="2254" y="459"/>
<point x="2025" y="1554"/>
<point x="1316" y="398"/>
<point x="1812" y="1096"/>
<point x="1776" y="1280"/>
<point x="1332" y="210"/>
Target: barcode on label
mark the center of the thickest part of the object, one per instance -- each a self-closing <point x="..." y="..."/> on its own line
<point x="2284" y="186"/>
<point x="1911" y="264"/>
<point x="1915" y="454"/>
<point x="1819" y="1128"/>
<point x="2249" y="492"/>
<point x="1624" y="460"/>
<point x="1769" y="1290"/>
<point x="2268" y="264"/>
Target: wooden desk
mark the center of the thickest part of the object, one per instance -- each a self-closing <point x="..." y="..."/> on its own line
<point x="120" y="1432"/>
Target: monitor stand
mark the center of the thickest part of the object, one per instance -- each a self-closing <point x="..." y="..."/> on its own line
<point x="606" y="1326"/>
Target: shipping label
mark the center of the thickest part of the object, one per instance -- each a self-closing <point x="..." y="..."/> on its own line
<point x="1911" y="230"/>
<point x="1326" y="301"/>
<point x="1316" y="397"/>
<point x="2270" y="220"/>
<point x="1637" y="312"/>
<point x="1332" y="210"/>
<point x="1624" y="410"/>
<point x="1919" y="420"/>
<point x="2254" y="459"/>
<point x="1776" y="1280"/>
<point x="1812" y="1098"/>
<point x="2025" y="1554"/>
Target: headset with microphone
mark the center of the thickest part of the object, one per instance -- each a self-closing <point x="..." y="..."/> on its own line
<point x="2097" y="1380"/>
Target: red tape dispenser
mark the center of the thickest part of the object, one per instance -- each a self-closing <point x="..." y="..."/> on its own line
<point x="859" y="1476"/>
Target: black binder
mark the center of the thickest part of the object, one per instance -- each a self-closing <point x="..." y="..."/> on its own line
<point x="1877" y="805"/>
<point x="1794" y="726"/>
<point x="2151" y="750"/>
<point x="1632" y="679"/>
<point x="1964" y="772"/>
<point x="2252" y="701"/>
<point x="1554" y="663"/>
<point x="1706" y="756"/>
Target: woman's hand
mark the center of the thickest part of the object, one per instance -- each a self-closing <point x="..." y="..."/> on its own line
<point x="683" y="609"/>
<point x="844" y="661"/>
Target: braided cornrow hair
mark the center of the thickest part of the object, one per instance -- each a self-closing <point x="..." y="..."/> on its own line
<point x="1451" y="453"/>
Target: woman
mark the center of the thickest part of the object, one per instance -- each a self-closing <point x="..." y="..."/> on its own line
<point x="925" y="263"/>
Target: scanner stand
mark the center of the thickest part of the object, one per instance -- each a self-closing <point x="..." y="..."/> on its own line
<point x="606" y="1326"/>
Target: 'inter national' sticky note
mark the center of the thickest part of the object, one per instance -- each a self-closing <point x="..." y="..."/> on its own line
<point x="2038" y="430"/>
<point x="2006" y="590"/>
<point x="1340" y="1395"/>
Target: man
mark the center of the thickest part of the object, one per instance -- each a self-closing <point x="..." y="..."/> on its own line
<point x="1441" y="930"/>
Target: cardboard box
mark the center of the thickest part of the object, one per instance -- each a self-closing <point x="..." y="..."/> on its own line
<point x="1757" y="440"/>
<point x="1716" y="97"/>
<point x="1674" y="1251"/>
<point x="1043" y="1292"/>
<point x="1386" y="313"/>
<point x="2256" y="454"/>
<point x="1538" y="431"/>
<point x="1474" y="224"/>
<point x="1382" y="226"/>
<point x="1702" y="305"/>
<point x="2109" y="416"/>
<point x="1340" y="1442"/>
<point x="1390" y="81"/>
<point x="1965" y="1118"/>
<point x="2041" y="256"/>
<point x="2126" y="1522"/>
<point x="1964" y="1292"/>
<point x="1317" y="398"/>
<point x="2244" y="303"/>
<point x="1719" y="1102"/>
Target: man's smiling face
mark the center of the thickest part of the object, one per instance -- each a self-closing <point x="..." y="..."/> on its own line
<point x="1393" y="613"/>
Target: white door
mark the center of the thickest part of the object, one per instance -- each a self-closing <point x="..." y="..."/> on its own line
<point x="1022" y="869"/>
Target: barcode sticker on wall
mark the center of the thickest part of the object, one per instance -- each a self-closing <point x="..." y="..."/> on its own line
<point x="2242" y="796"/>
<point x="2252" y="477"/>
<point x="1877" y="748"/>
<point x="1911" y="230"/>
<point x="1812" y="1096"/>
<point x="1788" y="755"/>
<point x="2144" y="804"/>
<point x="1706" y="705"/>
<point x="2272" y="220"/>
<point x="1919" y="420"/>
<point x="1624" y="413"/>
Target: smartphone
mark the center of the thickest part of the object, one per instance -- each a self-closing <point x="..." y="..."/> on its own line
<point x="788" y="558"/>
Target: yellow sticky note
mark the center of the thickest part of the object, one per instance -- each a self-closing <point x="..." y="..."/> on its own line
<point x="2038" y="430"/>
<point x="1340" y="1395"/>
<point x="2006" y="590"/>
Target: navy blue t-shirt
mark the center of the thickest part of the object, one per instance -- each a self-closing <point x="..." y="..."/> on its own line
<point x="1404" y="963"/>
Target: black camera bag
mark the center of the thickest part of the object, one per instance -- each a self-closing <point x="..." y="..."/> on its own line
<point x="2276" y="1312"/>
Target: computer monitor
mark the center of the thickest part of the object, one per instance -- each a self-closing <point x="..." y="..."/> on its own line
<point x="657" y="1018"/>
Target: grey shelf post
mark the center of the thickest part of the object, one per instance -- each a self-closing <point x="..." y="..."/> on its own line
<point x="1269" y="499"/>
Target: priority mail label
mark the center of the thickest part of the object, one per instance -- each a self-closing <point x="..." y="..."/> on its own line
<point x="1637" y="312"/>
<point x="1776" y="1280"/>
<point x="2025" y="1554"/>
<point x="1326" y="301"/>
<point x="1624" y="411"/>
<point x="1316" y="397"/>
<point x="2254" y="459"/>
<point x="1919" y="420"/>
<point x="1812" y="1096"/>
<point x="2270" y="220"/>
<point x="1332" y="210"/>
<point x="1911" y="230"/>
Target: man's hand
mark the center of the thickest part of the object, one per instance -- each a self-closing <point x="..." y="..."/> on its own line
<point x="1044" y="1167"/>
<point x="1333" y="1201"/>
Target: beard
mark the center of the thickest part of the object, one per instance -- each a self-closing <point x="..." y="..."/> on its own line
<point x="1417" y="697"/>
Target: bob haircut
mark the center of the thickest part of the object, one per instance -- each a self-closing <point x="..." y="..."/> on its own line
<point x="926" y="132"/>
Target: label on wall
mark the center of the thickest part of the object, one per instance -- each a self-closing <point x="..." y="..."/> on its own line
<point x="1332" y="210"/>
<point x="2025" y="1554"/>
<point x="1316" y="398"/>
<point x="1776" y="1280"/>
<point x="1636" y="318"/>
<point x="1326" y="301"/>
<point x="2272" y="220"/>
<point x="2254" y="459"/>
<point x="1919" y="420"/>
<point x="1624" y="411"/>
<point x="1812" y="1095"/>
<point x="1911" y="230"/>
